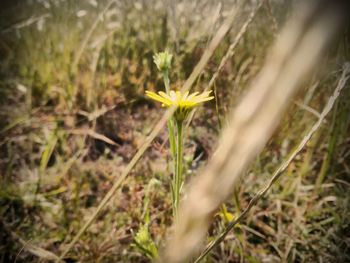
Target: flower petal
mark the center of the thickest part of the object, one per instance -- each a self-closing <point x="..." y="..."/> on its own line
<point x="184" y="97"/>
<point x="166" y="96"/>
<point x="173" y="95"/>
<point x="156" y="97"/>
<point x="191" y="96"/>
<point x="200" y="100"/>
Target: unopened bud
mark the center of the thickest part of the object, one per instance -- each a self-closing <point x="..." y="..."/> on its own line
<point x="163" y="60"/>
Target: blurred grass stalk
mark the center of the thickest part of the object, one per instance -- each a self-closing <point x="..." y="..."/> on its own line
<point x="229" y="53"/>
<point x="294" y="55"/>
<point x="281" y="169"/>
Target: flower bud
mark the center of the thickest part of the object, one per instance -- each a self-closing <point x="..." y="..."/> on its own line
<point x="163" y="60"/>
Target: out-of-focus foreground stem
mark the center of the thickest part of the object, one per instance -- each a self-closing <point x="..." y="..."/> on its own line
<point x="295" y="53"/>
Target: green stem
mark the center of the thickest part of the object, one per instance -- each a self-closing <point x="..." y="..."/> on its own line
<point x="170" y="122"/>
<point x="172" y="142"/>
<point x="166" y="81"/>
<point x="178" y="172"/>
<point x="170" y="125"/>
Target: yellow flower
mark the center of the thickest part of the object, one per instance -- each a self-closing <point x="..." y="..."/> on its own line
<point x="184" y="102"/>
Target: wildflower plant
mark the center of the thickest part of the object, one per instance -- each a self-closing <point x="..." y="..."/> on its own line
<point x="163" y="63"/>
<point x="142" y="239"/>
<point x="184" y="103"/>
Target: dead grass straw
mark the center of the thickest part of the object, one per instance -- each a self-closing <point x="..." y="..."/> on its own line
<point x="277" y="174"/>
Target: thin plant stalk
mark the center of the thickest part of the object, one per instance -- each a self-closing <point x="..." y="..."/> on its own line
<point x="178" y="171"/>
<point x="171" y="132"/>
<point x="166" y="81"/>
<point x="170" y="122"/>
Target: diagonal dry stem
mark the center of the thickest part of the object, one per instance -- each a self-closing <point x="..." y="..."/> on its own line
<point x="89" y="34"/>
<point x="230" y="51"/>
<point x="277" y="174"/>
<point x="252" y="123"/>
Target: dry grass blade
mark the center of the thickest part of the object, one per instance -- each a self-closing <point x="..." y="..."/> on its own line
<point x="210" y="50"/>
<point x="93" y="134"/>
<point x="308" y="108"/>
<point x="38" y="251"/>
<point x="230" y="51"/>
<point x="25" y="23"/>
<point x="283" y="167"/>
<point x="251" y="124"/>
<point x="197" y="70"/>
<point x="34" y="250"/>
<point x="89" y="34"/>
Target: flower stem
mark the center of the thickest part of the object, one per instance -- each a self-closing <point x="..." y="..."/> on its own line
<point x="170" y="125"/>
<point x="178" y="172"/>
<point x="170" y="122"/>
<point x="172" y="142"/>
<point x="165" y="74"/>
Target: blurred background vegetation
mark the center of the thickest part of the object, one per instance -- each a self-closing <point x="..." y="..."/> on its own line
<point x="73" y="112"/>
